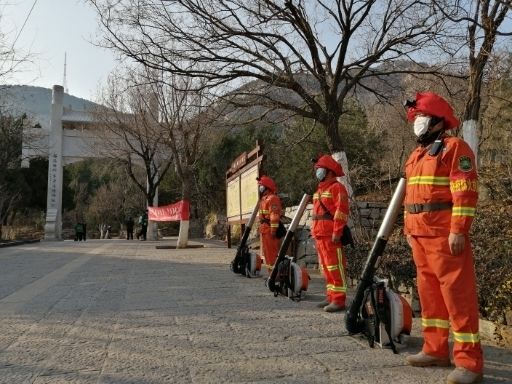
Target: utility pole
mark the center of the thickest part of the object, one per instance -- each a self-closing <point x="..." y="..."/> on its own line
<point x="64" y="80"/>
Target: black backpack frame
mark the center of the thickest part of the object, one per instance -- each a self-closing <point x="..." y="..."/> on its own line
<point x="376" y="310"/>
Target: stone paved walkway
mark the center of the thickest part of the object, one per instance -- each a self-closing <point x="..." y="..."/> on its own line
<point x="114" y="311"/>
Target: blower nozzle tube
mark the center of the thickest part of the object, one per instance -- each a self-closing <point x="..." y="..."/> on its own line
<point x="353" y="322"/>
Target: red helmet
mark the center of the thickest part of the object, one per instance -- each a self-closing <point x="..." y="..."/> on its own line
<point x="326" y="161"/>
<point x="268" y="183"/>
<point x="431" y="104"/>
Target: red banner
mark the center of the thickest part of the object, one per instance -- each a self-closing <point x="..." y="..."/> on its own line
<point x="172" y="212"/>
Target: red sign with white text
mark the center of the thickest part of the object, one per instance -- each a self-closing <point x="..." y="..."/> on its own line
<point x="172" y="212"/>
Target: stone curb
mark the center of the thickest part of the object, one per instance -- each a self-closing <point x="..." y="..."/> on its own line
<point x="18" y="242"/>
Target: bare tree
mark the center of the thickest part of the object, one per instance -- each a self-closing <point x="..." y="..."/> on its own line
<point x="132" y="133"/>
<point x="11" y="129"/>
<point x="188" y="114"/>
<point x="11" y="58"/>
<point x="162" y="120"/>
<point x="314" y="53"/>
<point x="485" y="22"/>
<point x="100" y="210"/>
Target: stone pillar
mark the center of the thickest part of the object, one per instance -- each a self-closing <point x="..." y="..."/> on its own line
<point x="153" y="225"/>
<point x="53" y="225"/>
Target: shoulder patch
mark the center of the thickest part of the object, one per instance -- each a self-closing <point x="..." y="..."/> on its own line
<point x="465" y="164"/>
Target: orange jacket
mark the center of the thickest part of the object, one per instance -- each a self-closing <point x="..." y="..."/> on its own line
<point x="334" y="197"/>
<point x="269" y="213"/>
<point x="450" y="177"/>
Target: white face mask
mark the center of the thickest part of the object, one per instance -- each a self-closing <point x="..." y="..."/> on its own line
<point x="320" y="173"/>
<point x="261" y="188"/>
<point x="421" y="125"/>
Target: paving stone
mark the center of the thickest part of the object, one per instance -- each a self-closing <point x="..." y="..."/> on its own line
<point x="113" y="311"/>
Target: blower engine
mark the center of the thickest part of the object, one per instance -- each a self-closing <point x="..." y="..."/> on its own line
<point x="386" y="316"/>
<point x="247" y="263"/>
<point x="252" y="264"/>
<point x="287" y="277"/>
<point x="291" y="279"/>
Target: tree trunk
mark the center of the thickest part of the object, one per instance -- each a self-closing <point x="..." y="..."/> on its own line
<point x="471" y="116"/>
<point x="152" y="230"/>
<point x="335" y="145"/>
<point x="341" y="157"/>
<point x="184" y="224"/>
<point x="332" y="134"/>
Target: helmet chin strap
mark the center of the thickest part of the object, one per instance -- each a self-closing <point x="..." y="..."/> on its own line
<point x="431" y="135"/>
<point x="428" y="138"/>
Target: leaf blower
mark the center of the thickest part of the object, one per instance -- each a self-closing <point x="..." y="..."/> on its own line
<point x="287" y="277"/>
<point x="377" y="311"/>
<point x="247" y="263"/>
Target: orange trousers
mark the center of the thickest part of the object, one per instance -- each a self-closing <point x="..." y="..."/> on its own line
<point x="333" y="263"/>
<point x="270" y="247"/>
<point x="448" y="297"/>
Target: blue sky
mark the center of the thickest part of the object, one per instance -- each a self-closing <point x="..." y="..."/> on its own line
<point x="53" y="28"/>
<point x="56" y="27"/>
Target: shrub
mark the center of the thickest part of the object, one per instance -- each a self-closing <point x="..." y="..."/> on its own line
<point x="492" y="244"/>
<point x="396" y="262"/>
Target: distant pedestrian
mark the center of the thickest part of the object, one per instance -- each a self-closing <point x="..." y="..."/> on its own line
<point x="79" y="232"/>
<point x="143" y="222"/>
<point x="129" y="228"/>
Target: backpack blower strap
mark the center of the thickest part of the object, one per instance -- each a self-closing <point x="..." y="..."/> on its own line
<point x="375" y="311"/>
<point x="283" y="278"/>
<point x="386" y="317"/>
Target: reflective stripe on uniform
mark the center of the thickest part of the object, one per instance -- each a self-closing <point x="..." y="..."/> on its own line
<point x="334" y="288"/>
<point x="437" y="323"/>
<point x="323" y="194"/>
<point x="463" y="211"/>
<point x="342" y="271"/>
<point x="466" y="337"/>
<point x="337" y="267"/>
<point x="428" y="180"/>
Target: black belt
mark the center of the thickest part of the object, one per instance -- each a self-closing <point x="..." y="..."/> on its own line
<point x="427" y="207"/>
<point x="325" y="216"/>
<point x="265" y="221"/>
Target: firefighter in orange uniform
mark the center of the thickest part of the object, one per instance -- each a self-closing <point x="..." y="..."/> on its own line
<point x="330" y="215"/>
<point x="440" y="203"/>
<point x="269" y="215"/>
